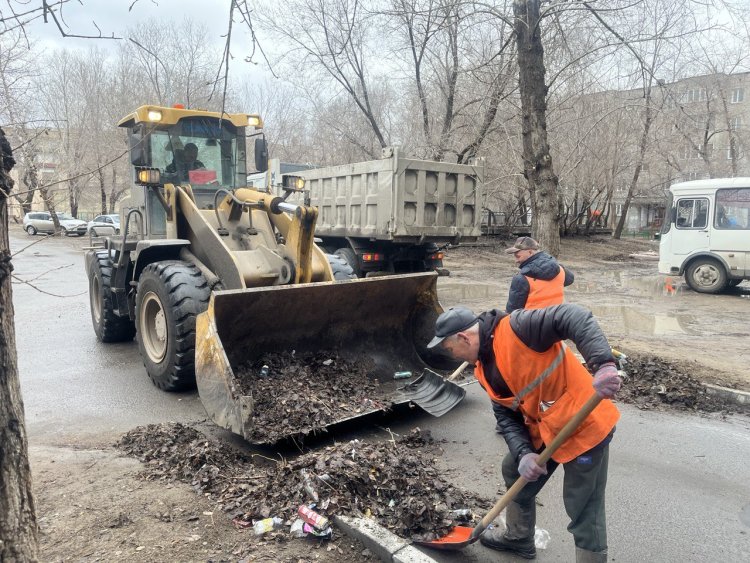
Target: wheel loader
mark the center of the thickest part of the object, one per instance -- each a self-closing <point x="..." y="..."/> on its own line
<point x="210" y="275"/>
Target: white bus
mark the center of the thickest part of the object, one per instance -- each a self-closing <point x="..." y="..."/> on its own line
<point x="706" y="233"/>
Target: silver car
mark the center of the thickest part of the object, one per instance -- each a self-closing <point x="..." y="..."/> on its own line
<point x="104" y="225"/>
<point x="41" y="222"/>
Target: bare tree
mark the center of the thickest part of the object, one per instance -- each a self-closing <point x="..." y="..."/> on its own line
<point x="538" y="169"/>
<point x="18" y="525"/>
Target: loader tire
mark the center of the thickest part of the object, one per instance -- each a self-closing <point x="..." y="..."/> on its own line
<point x="108" y="326"/>
<point x="341" y="268"/>
<point x="351" y="258"/>
<point x="170" y="295"/>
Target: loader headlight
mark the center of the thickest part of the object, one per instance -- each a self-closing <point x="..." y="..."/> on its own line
<point x="154" y="115"/>
<point x="296" y="183"/>
<point x="254" y="121"/>
<point x="148" y="176"/>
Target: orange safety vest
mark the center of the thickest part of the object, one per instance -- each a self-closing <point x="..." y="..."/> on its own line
<point x="548" y="389"/>
<point x="545" y="293"/>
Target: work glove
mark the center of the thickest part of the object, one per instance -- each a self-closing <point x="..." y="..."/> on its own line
<point x="607" y="381"/>
<point x="529" y="469"/>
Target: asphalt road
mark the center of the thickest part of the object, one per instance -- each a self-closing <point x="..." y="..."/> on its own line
<point x="679" y="485"/>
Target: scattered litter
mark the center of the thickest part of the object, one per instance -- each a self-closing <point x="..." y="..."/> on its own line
<point x="267" y="525"/>
<point x="394" y="481"/>
<point x="313" y="518"/>
<point x="402" y="375"/>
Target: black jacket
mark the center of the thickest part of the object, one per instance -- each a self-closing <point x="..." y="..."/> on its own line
<point x="538" y="329"/>
<point x="540" y="266"/>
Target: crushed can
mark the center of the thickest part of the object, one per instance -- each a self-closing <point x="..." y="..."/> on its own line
<point x="317" y="521"/>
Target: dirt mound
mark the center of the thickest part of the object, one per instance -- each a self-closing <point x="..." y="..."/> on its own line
<point x="654" y="382"/>
<point x="302" y="394"/>
<point x="395" y="481"/>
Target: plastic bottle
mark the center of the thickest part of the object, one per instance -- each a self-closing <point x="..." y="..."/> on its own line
<point x="267" y="525"/>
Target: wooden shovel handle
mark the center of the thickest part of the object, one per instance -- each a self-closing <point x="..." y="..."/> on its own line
<point x="544" y="457"/>
<point x="459" y="371"/>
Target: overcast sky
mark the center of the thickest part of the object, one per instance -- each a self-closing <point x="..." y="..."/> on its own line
<point x="112" y="16"/>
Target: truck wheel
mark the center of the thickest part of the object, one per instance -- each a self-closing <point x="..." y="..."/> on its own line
<point x="706" y="275"/>
<point x="341" y="268"/>
<point x="108" y="326"/>
<point x="170" y="295"/>
<point x="351" y="258"/>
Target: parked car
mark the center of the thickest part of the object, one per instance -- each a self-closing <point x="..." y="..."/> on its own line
<point x="41" y="222"/>
<point x="104" y="225"/>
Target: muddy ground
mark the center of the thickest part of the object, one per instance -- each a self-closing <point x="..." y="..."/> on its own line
<point x="94" y="504"/>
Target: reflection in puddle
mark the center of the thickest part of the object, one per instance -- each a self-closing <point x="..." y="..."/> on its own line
<point x="638" y="322"/>
<point x="641" y="285"/>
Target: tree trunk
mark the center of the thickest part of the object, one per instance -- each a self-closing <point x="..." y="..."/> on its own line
<point x="49" y="204"/>
<point x="538" y="168"/>
<point x="102" y="191"/>
<point x="18" y="526"/>
<point x="638" y="165"/>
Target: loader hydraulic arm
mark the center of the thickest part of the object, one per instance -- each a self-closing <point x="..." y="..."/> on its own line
<point x="296" y="223"/>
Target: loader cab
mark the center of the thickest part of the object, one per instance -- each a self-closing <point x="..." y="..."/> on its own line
<point x="198" y="148"/>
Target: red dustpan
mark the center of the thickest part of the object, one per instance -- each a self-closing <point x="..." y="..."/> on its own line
<point x="461" y="536"/>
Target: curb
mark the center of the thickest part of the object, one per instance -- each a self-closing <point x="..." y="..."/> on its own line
<point x="734" y="395"/>
<point x="383" y="543"/>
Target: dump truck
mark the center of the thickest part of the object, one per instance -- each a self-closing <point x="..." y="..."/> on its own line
<point x="211" y="275"/>
<point x="391" y="215"/>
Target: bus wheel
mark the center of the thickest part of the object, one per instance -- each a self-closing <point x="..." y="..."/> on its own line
<point x="706" y="275"/>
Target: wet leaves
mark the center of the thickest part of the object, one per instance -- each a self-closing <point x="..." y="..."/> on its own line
<point x="396" y="481"/>
<point x="303" y="394"/>
<point x="654" y="382"/>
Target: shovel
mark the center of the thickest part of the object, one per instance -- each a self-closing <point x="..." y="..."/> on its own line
<point x="435" y="394"/>
<point x="461" y="536"/>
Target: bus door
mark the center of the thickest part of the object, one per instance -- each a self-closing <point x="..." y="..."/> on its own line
<point x="691" y="225"/>
<point x="730" y="236"/>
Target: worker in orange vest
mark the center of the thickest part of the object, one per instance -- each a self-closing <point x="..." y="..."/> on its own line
<point x="536" y="385"/>
<point x="541" y="279"/>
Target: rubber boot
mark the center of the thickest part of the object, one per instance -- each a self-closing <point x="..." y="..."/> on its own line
<point x="518" y="536"/>
<point x="586" y="556"/>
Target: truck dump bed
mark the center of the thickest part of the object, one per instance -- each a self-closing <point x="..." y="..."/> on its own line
<point x="398" y="199"/>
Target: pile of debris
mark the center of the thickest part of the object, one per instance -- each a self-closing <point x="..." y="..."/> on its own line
<point x="654" y="382"/>
<point x="396" y="481"/>
<point x="175" y="452"/>
<point x="301" y="394"/>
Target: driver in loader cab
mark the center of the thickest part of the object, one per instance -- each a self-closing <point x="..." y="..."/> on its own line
<point x="185" y="160"/>
<point x="536" y="384"/>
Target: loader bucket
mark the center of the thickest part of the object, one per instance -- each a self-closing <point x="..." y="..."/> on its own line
<point x="386" y="321"/>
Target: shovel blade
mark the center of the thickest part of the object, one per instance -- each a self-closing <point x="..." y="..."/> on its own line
<point x="433" y="393"/>
<point x="455" y="540"/>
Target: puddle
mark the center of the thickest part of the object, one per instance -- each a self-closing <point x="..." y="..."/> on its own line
<point x="639" y="323"/>
<point x="457" y="292"/>
<point x="623" y="281"/>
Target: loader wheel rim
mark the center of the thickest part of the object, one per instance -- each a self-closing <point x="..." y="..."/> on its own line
<point x="154" y="328"/>
<point x="96" y="302"/>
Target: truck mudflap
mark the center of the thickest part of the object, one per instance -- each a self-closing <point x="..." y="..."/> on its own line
<point x="386" y="322"/>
